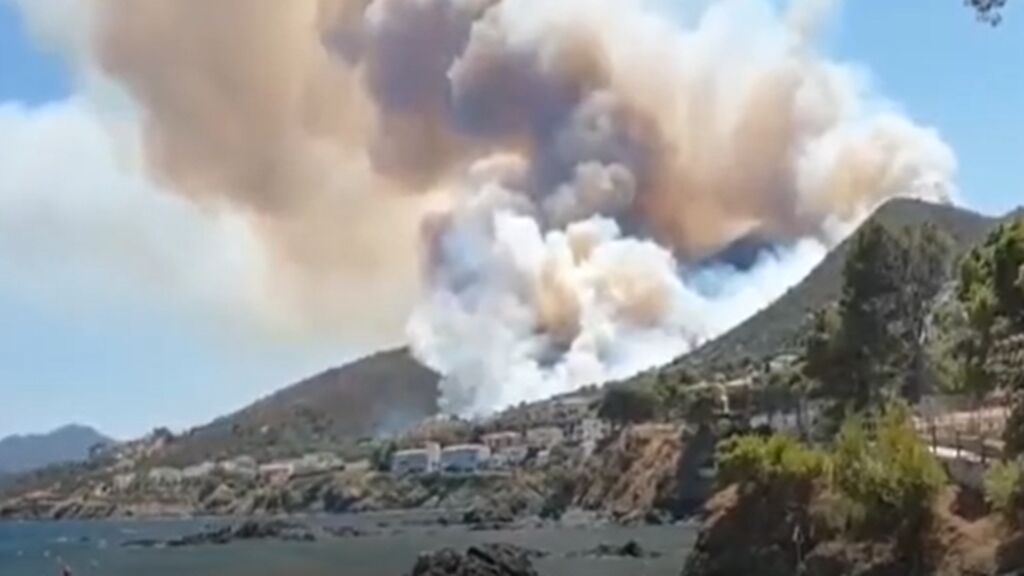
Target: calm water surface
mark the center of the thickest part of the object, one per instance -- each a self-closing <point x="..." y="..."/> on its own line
<point x="94" y="549"/>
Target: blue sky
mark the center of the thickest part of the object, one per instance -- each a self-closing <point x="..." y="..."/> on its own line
<point x="950" y="72"/>
<point x="140" y="367"/>
<point x="26" y="74"/>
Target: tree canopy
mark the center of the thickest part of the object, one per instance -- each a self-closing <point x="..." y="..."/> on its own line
<point x="989" y="11"/>
<point x="992" y="292"/>
<point x="622" y="405"/>
<point x="871" y="347"/>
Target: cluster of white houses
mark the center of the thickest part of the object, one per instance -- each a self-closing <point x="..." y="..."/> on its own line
<point x="461" y="458"/>
<point x="502" y="450"/>
<point x="240" y="467"/>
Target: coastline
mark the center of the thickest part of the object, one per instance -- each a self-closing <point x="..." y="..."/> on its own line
<point x="391" y="551"/>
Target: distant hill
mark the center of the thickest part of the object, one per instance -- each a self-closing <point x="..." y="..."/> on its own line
<point x="775" y="329"/>
<point x="20" y="454"/>
<point x="383" y="393"/>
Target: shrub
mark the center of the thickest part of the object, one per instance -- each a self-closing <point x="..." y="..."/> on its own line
<point x="380" y="458"/>
<point x="877" y="474"/>
<point x="623" y="405"/>
<point x="1004" y="488"/>
<point x="560" y="489"/>
<point x="756" y="461"/>
<point x="886" y="471"/>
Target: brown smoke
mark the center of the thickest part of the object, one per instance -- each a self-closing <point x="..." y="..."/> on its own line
<point x="245" y="108"/>
<point x="337" y="125"/>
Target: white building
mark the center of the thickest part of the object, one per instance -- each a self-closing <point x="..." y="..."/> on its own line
<point x="424" y="460"/>
<point x="545" y="437"/>
<point x="277" y="472"/>
<point x="243" y="466"/>
<point x="465" y="458"/>
<point x="511" y="457"/>
<point x="317" y="463"/>
<point x="500" y="441"/>
<point x="199" y="471"/>
<point x="804" y="419"/>
<point x="167" y="476"/>
<point x="590" y="431"/>
<point x="123" y="482"/>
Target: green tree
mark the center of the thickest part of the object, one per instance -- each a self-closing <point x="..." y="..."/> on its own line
<point x="1004" y="489"/>
<point x="992" y="291"/>
<point x="927" y="266"/>
<point x="380" y="458"/>
<point x="622" y="405"/>
<point x="873" y="349"/>
<point x="771" y="463"/>
<point x="890" y="479"/>
<point x="671" y="389"/>
<point x="820" y="344"/>
<point x="988" y="11"/>
<point x="703" y="405"/>
<point x="883" y="466"/>
<point x="867" y="347"/>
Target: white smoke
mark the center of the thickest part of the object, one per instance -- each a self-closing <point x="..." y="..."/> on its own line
<point x="534" y="314"/>
<point x="537" y="186"/>
<point x="520" y="315"/>
<point x="540" y="287"/>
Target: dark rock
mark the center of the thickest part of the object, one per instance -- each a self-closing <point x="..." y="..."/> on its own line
<point x="346" y="532"/>
<point x="273" y="530"/>
<point x="657" y="518"/>
<point x="144" y="543"/>
<point x="248" y="530"/>
<point x="488" y="527"/>
<point x="631" y="549"/>
<point x="485" y="560"/>
<point x="217" y="536"/>
<point x="491" y="515"/>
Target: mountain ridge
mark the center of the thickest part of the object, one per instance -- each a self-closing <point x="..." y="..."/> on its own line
<point x="383" y="392"/>
<point x="774" y="328"/>
<point x="21" y="453"/>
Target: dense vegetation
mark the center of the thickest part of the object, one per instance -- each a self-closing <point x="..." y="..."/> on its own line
<point x="912" y="318"/>
<point x="877" y="468"/>
<point x="870" y="348"/>
<point x="1004" y="489"/>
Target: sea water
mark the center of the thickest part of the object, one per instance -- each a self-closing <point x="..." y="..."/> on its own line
<point x="390" y="549"/>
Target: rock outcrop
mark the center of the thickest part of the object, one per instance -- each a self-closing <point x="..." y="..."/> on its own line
<point x="485" y="560"/>
<point x="249" y="530"/>
<point x="777" y="535"/>
<point x="631" y="549"/>
<point x="647" y="473"/>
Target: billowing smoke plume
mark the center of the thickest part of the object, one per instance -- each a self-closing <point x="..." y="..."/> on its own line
<point x="540" y="183"/>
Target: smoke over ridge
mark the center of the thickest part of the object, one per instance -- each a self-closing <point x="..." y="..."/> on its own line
<point x="529" y="189"/>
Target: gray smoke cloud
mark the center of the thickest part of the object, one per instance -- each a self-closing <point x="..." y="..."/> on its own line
<point x="526" y="188"/>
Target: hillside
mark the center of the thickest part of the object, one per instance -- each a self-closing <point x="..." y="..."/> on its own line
<point x="377" y="394"/>
<point x="774" y="329"/>
<point x="68" y="444"/>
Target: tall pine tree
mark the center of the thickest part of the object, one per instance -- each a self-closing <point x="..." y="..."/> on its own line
<point x="873" y="348"/>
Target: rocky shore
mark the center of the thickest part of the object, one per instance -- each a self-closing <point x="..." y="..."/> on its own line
<point x="277" y="530"/>
<point x="643" y="474"/>
<point x="486" y="560"/>
<point x="769" y="535"/>
<point x="489" y="559"/>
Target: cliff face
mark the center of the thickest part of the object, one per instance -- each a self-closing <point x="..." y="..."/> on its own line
<point x="646" y="472"/>
<point x="786" y="534"/>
